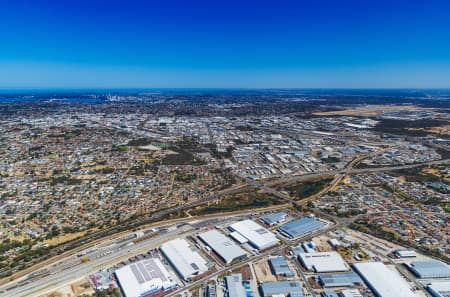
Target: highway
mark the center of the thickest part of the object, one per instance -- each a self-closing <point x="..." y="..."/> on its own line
<point x="101" y="256"/>
<point x="69" y="268"/>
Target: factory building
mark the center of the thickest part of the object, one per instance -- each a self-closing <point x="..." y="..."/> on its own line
<point x="350" y="293"/>
<point x="439" y="289"/>
<point x="144" y="278"/>
<point x="274" y="218"/>
<point x="258" y="236"/>
<point x="321" y="262"/>
<point x="223" y="246"/>
<point x="382" y="281"/>
<point x="287" y="288"/>
<point x="405" y="254"/>
<point x="429" y="269"/>
<point x="280" y="266"/>
<point x="185" y="260"/>
<point x="301" y="227"/>
<point x="339" y="280"/>
<point x="234" y="285"/>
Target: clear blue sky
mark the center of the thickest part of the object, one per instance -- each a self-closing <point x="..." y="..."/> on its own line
<point x="215" y="43"/>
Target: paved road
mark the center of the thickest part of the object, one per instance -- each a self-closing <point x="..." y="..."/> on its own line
<point x="101" y="257"/>
<point x="265" y="185"/>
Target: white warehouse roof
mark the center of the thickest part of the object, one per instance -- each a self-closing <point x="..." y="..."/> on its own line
<point x="144" y="277"/>
<point x="383" y="282"/>
<point x="439" y="289"/>
<point x="323" y="262"/>
<point x="258" y="236"/>
<point x="187" y="262"/>
<point x="222" y="245"/>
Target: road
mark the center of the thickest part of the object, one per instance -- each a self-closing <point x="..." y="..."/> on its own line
<point x="77" y="270"/>
<point x="274" y="251"/>
<point x="103" y="256"/>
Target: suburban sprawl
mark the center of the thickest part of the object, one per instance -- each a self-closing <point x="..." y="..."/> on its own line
<point x="277" y="193"/>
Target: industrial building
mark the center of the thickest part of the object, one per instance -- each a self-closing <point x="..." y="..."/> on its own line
<point x="405" y="254"/>
<point x="234" y="285"/>
<point x="223" y="246"/>
<point x="287" y="288"/>
<point x="186" y="261"/>
<point x="238" y="237"/>
<point x="280" y="266"/>
<point x="211" y="290"/>
<point x="301" y="227"/>
<point x="429" y="269"/>
<point x="439" y="289"/>
<point x="274" y="218"/>
<point x="144" y="277"/>
<point x="350" y="293"/>
<point x="329" y="293"/>
<point x="339" y="280"/>
<point x="258" y="236"/>
<point x="383" y="282"/>
<point x="323" y="262"/>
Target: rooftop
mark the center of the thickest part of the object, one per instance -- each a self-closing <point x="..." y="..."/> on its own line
<point x="222" y="245"/>
<point x="383" y="282"/>
<point x="300" y="227"/>
<point x="429" y="269"/>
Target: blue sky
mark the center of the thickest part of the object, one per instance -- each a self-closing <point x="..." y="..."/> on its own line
<point x="215" y="43"/>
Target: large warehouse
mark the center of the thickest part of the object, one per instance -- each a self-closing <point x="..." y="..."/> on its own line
<point x="323" y="262"/>
<point x="383" y="282"/>
<point x="429" y="269"/>
<point x="222" y="245"/>
<point x="300" y="227"/>
<point x="187" y="262"/>
<point x="339" y="280"/>
<point x="439" y="289"/>
<point x="144" y="277"/>
<point x="234" y="285"/>
<point x="257" y="236"/>
<point x="286" y="288"/>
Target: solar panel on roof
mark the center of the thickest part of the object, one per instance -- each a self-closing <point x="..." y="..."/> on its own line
<point x="137" y="274"/>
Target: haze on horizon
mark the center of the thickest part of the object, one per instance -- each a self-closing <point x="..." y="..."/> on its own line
<point x="224" y="44"/>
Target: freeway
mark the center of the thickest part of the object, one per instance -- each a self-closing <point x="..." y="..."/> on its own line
<point x="103" y="256"/>
<point x="20" y="283"/>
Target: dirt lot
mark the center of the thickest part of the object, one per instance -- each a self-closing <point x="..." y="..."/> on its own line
<point x="322" y="243"/>
<point x="369" y="111"/>
<point x="74" y="290"/>
<point x="263" y="272"/>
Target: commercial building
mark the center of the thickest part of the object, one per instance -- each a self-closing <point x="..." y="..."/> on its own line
<point x="323" y="262"/>
<point x="339" y="280"/>
<point x="274" y="218"/>
<point x="383" y="282"/>
<point x="287" y="288"/>
<point x="439" y="289"/>
<point x="186" y="261"/>
<point x="280" y="266"/>
<point x="144" y="277"/>
<point x="429" y="269"/>
<point x="223" y="246"/>
<point x="234" y="285"/>
<point x="301" y="227"/>
<point x="258" y="236"/>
